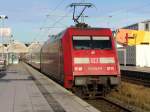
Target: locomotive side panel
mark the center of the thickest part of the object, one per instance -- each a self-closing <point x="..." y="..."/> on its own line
<point x="66" y="45"/>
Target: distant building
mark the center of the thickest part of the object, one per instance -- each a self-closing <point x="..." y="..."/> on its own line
<point x="145" y="25"/>
<point x="137" y="55"/>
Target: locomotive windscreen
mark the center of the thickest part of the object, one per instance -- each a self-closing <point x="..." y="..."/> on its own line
<point x="91" y="42"/>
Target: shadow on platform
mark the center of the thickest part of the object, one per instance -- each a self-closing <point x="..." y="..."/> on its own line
<point x="2" y="74"/>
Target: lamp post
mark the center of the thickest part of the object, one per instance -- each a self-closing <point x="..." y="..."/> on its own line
<point x="2" y="18"/>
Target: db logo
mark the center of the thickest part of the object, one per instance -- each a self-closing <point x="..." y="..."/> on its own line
<point x="92" y="52"/>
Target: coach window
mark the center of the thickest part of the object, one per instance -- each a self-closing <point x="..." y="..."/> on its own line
<point x="81" y="42"/>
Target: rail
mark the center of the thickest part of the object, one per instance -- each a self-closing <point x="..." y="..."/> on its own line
<point x="105" y="105"/>
<point x="137" y="81"/>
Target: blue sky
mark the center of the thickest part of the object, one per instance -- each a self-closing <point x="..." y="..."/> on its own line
<point x="29" y="22"/>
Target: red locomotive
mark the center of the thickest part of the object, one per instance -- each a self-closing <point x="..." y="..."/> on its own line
<point x="83" y="58"/>
<point x="80" y="58"/>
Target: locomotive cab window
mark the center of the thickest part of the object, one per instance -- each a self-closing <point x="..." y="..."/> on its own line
<point x="101" y="42"/>
<point x="91" y="42"/>
<point x="81" y="42"/>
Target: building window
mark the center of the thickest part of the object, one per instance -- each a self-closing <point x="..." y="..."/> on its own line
<point x="147" y="27"/>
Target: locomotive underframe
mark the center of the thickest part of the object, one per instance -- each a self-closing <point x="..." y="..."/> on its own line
<point x="95" y="86"/>
<point x="84" y="80"/>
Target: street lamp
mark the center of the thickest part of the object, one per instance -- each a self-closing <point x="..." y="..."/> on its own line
<point x="3" y="17"/>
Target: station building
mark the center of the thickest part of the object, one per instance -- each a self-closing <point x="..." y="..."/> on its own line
<point x="144" y="25"/>
<point x="15" y="51"/>
<point x="136" y="54"/>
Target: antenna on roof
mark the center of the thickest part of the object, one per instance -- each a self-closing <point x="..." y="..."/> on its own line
<point x="84" y="6"/>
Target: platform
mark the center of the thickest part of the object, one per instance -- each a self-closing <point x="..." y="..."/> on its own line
<point x="142" y="73"/>
<point x="23" y="89"/>
<point x="136" y="69"/>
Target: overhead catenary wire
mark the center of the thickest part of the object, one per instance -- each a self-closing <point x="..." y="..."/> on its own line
<point x="50" y="17"/>
<point x="53" y="26"/>
<point x="110" y="13"/>
<point x="113" y="13"/>
<point x="45" y="20"/>
<point x="58" y="5"/>
<point x="59" y="20"/>
<point x="56" y="8"/>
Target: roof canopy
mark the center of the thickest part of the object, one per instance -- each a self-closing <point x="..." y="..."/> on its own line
<point x="17" y="47"/>
<point x="34" y="47"/>
<point x="3" y="49"/>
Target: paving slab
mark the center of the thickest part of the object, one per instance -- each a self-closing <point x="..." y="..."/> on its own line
<point x="19" y="93"/>
<point x="136" y="69"/>
<point x="24" y="89"/>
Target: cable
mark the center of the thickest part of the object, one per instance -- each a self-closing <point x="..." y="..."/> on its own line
<point x="45" y="20"/>
<point x="58" y="5"/>
<point x="59" y="20"/>
<point x="56" y="22"/>
<point x="60" y="16"/>
<point x="127" y="10"/>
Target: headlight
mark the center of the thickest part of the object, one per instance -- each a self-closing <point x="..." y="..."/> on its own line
<point x="78" y="69"/>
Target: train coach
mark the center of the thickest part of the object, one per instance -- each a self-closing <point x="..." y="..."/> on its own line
<point x="33" y="55"/>
<point x="82" y="58"/>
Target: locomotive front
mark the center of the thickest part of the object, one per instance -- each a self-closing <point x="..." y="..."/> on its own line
<point x="94" y="61"/>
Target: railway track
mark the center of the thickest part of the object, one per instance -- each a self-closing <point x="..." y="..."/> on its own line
<point x="106" y="105"/>
<point x="136" y="81"/>
<point x="136" y="77"/>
